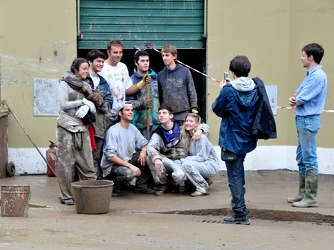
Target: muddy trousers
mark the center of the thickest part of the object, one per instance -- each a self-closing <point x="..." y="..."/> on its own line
<point x="74" y="160"/>
<point x="121" y="175"/>
<point x="97" y="155"/>
<point x="170" y="168"/>
<point x="197" y="171"/>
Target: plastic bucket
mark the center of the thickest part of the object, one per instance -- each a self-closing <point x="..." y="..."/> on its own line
<point x="92" y="196"/>
<point x="15" y="201"/>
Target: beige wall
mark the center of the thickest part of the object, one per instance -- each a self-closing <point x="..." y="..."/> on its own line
<point x="271" y="33"/>
<point x="37" y="40"/>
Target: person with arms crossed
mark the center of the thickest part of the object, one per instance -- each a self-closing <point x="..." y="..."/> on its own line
<point x="309" y="102"/>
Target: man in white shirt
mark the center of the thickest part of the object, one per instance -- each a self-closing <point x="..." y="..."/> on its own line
<point x="117" y="75"/>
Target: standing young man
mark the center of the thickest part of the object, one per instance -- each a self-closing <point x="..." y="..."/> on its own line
<point x="176" y="86"/>
<point x="309" y="102"/>
<point x="117" y="75"/>
<point x="142" y="61"/>
<point x="96" y="60"/>
<point x="124" y="153"/>
<point x="237" y="106"/>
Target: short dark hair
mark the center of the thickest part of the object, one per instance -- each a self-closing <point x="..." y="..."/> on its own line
<point x="121" y="110"/>
<point x="315" y="50"/>
<point x="114" y="43"/>
<point x="240" y="66"/>
<point x="139" y="54"/>
<point x="165" y="107"/>
<point x="94" y="54"/>
<point x="76" y="64"/>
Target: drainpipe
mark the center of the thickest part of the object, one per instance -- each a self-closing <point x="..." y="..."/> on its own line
<point x="78" y="19"/>
<point x="0" y="77"/>
<point x="205" y="19"/>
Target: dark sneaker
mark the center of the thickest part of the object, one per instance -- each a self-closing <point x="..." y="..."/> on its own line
<point x="115" y="193"/>
<point x="144" y="191"/>
<point x="237" y="220"/>
<point x="189" y="187"/>
<point x="175" y="189"/>
<point x="124" y="187"/>
<point x="68" y="202"/>
<point x="209" y="181"/>
<point x="161" y="190"/>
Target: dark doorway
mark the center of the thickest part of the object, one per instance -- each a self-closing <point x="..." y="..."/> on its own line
<point x="194" y="58"/>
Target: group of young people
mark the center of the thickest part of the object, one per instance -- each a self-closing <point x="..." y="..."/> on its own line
<point x="146" y="127"/>
<point x="141" y="131"/>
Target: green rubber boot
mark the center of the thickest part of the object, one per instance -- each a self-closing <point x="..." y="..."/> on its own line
<point x="301" y="192"/>
<point x="311" y="190"/>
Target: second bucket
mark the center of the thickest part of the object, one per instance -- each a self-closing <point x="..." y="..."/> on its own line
<point x="92" y="196"/>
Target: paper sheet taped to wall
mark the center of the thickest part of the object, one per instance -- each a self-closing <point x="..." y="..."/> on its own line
<point x="46" y="97"/>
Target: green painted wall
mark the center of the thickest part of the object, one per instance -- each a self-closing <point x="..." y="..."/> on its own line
<point x="272" y="34"/>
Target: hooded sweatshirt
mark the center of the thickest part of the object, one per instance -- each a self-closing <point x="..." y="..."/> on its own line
<point x="177" y="89"/>
<point x="236" y="105"/>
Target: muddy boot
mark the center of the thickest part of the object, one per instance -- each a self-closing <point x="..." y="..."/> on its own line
<point x="301" y="192"/>
<point x="311" y="190"/>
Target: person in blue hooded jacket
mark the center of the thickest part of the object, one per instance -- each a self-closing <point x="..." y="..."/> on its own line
<point x="237" y="105"/>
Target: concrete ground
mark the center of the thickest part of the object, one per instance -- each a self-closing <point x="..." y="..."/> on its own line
<point x="175" y="221"/>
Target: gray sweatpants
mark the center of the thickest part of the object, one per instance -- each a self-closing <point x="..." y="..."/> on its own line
<point x="197" y="171"/>
<point x="74" y="160"/>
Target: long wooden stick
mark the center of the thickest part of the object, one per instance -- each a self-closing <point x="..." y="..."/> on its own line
<point x="49" y="166"/>
<point x="148" y="125"/>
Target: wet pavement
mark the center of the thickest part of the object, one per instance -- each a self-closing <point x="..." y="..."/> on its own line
<point x="50" y="222"/>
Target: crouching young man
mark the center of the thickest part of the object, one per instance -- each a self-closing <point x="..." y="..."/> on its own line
<point x="124" y="154"/>
<point x="165" y="151"/>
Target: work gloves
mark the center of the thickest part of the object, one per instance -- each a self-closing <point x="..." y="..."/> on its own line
<point x="82" y="111"/>
<point x="92" y="95"/>
<point x="142" y="104"/>
<point x="194" y="111"/>
<point x="90" y="105"/>
<point x="147" y="79"/>
<point x="146" y="104"/>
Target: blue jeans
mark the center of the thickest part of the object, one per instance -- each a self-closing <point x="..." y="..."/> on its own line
<point x="236" y="182"/>
<point x="306" y="153"/>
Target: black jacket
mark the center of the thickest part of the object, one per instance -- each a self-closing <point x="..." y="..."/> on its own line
<point x="264" y="126"/>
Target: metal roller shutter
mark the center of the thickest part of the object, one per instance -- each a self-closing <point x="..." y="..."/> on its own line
<point x="177" y="22"/>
